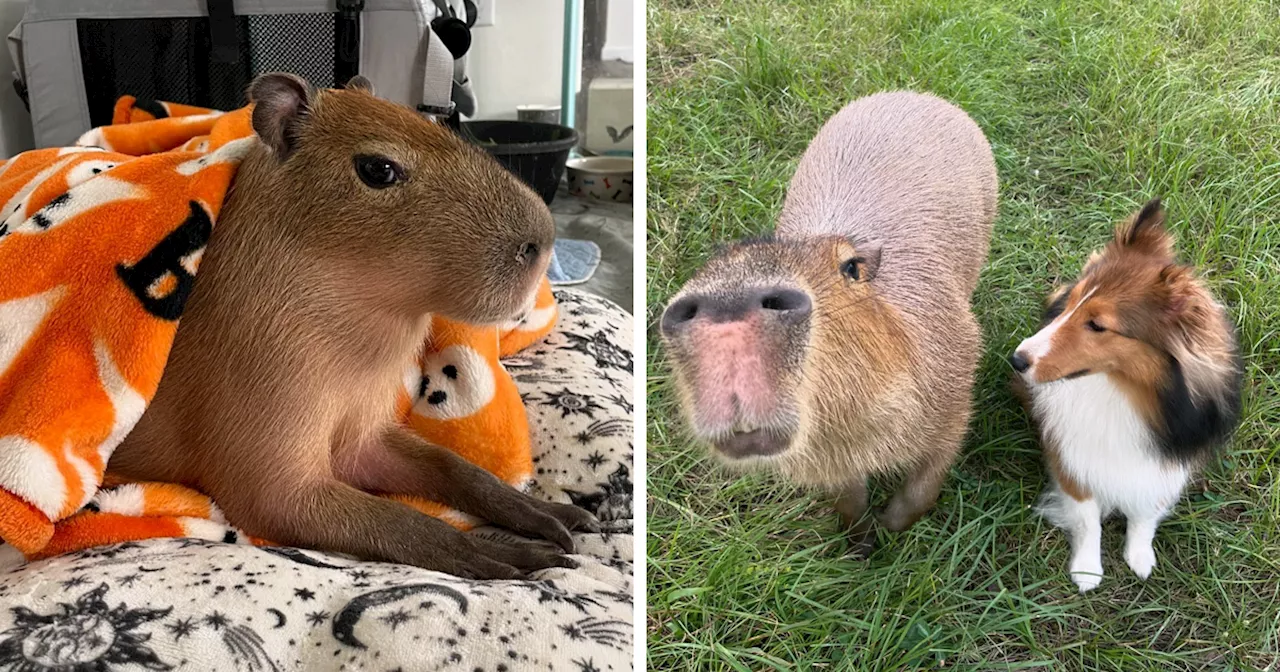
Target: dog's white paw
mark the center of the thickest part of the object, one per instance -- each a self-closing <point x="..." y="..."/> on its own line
<point x="1086" y="574"/>
<point x="1141" y="559"/>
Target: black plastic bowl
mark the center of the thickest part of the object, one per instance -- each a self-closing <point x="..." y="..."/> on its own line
<point x="534" y="151"/>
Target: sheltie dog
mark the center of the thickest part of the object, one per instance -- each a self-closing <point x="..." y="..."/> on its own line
<point x="1133" y="380"/>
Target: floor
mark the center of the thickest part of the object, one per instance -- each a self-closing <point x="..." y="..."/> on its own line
<point x="608" y="225"/>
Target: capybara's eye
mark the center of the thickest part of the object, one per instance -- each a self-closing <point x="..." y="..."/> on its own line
<point x="849" y="269"/>
<point x="1094" y="326"/>
<point x="378" y="172"/>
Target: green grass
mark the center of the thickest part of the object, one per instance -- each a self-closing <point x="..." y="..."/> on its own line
<point x="1091" y="107"/>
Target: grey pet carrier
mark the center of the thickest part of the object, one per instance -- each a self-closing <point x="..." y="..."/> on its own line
<point x="75" y="58"/>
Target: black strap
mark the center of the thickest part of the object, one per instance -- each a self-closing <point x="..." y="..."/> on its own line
<point x="21" y="87"/>
<point x="346" y="41"/>
<point x="225" y="86"/>
<point x="222" y="31"/>
<point x="453" y="121"/>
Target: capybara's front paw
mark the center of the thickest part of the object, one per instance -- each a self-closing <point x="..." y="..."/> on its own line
<point x="524" y="555"/>
<point x="458" y="554"/>
<point x="535" y="518"/>
<point x="861" y="542"/>
<point x="575" y="518"/>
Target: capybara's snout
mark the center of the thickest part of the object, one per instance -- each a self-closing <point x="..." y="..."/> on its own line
<point x="518" y="262"/>
<point x="769" y="303"/>
<point x="734" y="347"/>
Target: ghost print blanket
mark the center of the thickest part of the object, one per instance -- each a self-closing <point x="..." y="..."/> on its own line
<point x="100" y="245"/>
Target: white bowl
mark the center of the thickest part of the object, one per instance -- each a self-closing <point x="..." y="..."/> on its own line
<point x="605" y="178"/>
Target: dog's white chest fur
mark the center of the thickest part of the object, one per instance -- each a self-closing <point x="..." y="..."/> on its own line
<point x="1105" y="445"/>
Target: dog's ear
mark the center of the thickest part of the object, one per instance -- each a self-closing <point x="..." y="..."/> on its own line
<point x="1181" y="294"/>
<point x="280" y="103"/>
<point x="1145" y="232"/>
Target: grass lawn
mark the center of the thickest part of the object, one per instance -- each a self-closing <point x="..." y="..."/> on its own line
<point x="1091" y="107"/>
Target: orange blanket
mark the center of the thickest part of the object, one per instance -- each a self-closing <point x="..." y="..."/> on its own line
<point x="99" y="247"/>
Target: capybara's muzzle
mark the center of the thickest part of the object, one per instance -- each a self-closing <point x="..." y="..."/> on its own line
<point x="733" y="350"/>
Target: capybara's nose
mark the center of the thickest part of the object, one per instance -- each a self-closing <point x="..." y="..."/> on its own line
<point x="1020" y="363"/>
<point x="793" y="302"/>
<point x="527" y="253"/>
<point x="779" y="302"/>
<point x="680" y="313"/>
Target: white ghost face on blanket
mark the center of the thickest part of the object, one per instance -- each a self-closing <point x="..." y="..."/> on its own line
<point x="456" y="382"/>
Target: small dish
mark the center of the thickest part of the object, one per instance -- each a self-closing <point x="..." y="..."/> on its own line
<point x="605" y="178"/>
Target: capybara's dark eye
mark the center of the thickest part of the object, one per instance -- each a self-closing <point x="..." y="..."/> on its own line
<point x="850" y="269"/>
<point x="378" y="172"/>
<point x="1094" y="326"/>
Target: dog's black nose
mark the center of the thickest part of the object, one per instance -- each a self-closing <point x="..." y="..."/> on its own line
<point x="1020" y="363"/>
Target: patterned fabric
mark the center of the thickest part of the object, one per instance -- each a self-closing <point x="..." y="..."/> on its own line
<point x="97" y="268"/>
<point x="100" y="246"/>
<point x="170" y="604"/>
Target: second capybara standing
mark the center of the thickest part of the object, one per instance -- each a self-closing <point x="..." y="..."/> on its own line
<point x="844" y="346"/>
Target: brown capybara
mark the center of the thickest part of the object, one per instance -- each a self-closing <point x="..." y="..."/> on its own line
<point x="347" y="226"/>
<point x="843" y="345"/>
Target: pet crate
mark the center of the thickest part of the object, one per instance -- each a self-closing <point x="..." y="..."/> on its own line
<point x="74" y="59"/>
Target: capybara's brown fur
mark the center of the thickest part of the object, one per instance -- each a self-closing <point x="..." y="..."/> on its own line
<point x="844" y="345"/>
<point x="350" y="223"/>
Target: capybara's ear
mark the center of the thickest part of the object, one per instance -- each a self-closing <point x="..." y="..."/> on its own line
<point x="1145" y="231"/>
<point x="280" y="102"/>
<point x="360" y="83"/>
<point x="869" y="251"/>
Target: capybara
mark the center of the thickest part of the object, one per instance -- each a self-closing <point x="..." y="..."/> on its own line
<point x="1133" y="380"/>
<point x="843" y="346"/>
<point x="348" y="226"/>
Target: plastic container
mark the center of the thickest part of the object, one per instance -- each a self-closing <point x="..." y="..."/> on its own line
<point x="536" y="152"/>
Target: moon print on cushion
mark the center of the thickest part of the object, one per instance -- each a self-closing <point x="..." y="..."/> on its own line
<point x="456" y="382"/>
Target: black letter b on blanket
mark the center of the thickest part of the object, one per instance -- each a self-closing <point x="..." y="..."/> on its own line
<point x="145" y="278"/>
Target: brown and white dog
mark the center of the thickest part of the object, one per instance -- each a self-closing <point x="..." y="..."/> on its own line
<point x="1133" y="379"/>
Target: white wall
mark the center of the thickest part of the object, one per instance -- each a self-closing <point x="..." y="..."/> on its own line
<point x="619" y="40"/>
<point x="516" y="61"/>
<point x="15" y="123"/>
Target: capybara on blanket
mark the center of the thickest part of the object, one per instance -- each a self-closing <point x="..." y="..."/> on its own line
<point x="361" y="269"/>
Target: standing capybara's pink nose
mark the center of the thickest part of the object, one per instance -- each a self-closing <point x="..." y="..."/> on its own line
<point x="783" y="302"/>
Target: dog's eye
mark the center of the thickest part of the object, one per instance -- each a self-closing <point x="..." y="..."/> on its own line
<point x="851" y="269"/>
<point x="378" y="172"/>
<point x="1094" y="326"/>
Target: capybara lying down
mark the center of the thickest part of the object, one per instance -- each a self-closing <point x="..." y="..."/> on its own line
<point x="843" y="345"/>
<point x="348" y="226"/>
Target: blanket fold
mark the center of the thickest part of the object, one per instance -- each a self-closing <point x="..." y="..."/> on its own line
<point x="100" y="245"/>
